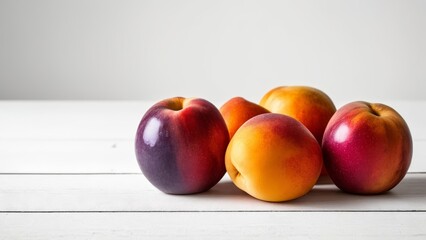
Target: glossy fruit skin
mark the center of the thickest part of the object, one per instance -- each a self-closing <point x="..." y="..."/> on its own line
<point x="274" y="158"/>
<point x="367" y="148"/>
<point x="237" y="110"/>
<point x="309" y="105"/>
<point x="180" y="145"/>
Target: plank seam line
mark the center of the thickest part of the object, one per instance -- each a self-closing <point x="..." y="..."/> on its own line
<point x="106" y="173"/>
<point x="88" y="173"/>
<point x="216" y="211"/>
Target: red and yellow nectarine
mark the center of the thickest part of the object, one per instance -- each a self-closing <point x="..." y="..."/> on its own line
<point x="274" y="158"/>
<point x="309" y="105"/>
<point x="180" y="145"/>
<point x="367" y="148"/>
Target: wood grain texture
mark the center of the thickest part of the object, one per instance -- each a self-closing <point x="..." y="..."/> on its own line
<point x="97" y="156"/>
<point x="68" y="171"/>
<point x="132" y="192"/>
<point x="214" y="225"/>
<point x="78" y="120"/>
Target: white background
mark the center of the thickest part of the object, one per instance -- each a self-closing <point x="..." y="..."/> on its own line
<point x="148" y="50"/>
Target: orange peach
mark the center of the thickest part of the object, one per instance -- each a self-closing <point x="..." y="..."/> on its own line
<point x="237" y="111"/>
<point x="274" y="158"/>
<point x="309" y="105"/>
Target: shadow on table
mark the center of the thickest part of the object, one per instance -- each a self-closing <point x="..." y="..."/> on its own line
<point x="410" y="189"/>
<point x="412" y="184"/>
<point x="326" y="196"/>
<point x="225" y="188"/>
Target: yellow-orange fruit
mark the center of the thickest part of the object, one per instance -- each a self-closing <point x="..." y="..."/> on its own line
<point x="237" y="111"/>
<point x="274" y="158"/>
<point x="309" y="105"/>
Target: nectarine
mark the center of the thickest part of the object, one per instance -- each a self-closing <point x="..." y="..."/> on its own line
<point x="274" y="158"/>
<point x="367" y="148"/>
<point x="309" y="105"/>
<point x="180" y="145"/>
<point x="237" y="111"/>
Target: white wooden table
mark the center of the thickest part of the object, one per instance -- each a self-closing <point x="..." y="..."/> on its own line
<point x="68" y="171"/>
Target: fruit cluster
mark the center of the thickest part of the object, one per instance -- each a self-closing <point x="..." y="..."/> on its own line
<point x="275" y="150"/>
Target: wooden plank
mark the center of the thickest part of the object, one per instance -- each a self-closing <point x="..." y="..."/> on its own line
<point x="132" y="192"/>
<point x="207" y="225"/>
<point x="97" y="136"/>
<point x="97" y="156"/>
<point x="68" y="156"/>
<point x="74" y="120"/>
<point x="119" y="119"/>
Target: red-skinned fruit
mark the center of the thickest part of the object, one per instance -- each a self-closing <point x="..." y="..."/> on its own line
<point x="180" y="145"/>
<point x="367" y="148"/>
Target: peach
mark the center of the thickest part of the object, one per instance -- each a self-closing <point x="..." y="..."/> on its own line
<point x="237" y="111"/>
<point x="309" y="105"/>
<point x="273" y="157"/>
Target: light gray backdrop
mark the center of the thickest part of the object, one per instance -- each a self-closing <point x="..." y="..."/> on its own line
<point x="103" y="49"/>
